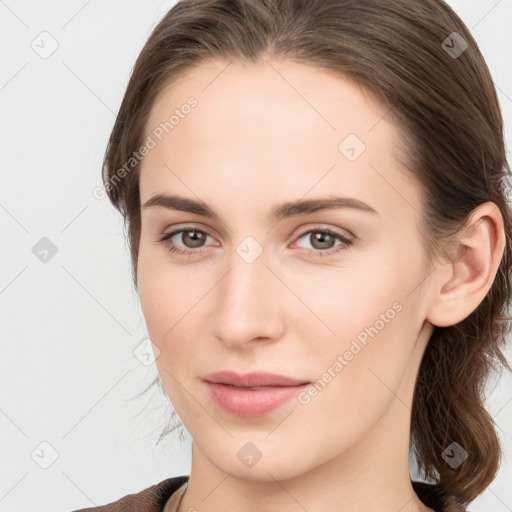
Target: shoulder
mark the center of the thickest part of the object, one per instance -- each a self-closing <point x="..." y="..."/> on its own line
<point x="433" y="496"/>
<point x="151" y="499"/>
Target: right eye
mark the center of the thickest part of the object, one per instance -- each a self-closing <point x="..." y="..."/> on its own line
<point x="188" y="235"/>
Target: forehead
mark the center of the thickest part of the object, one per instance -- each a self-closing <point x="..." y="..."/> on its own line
<point x="267" y="123"/>
<point x="241" y="92"/>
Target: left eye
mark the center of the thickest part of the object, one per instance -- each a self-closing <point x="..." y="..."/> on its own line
<point x="321" y="240"/>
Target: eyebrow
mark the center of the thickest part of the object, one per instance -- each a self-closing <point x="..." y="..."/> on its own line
<point x="278" y="212"/>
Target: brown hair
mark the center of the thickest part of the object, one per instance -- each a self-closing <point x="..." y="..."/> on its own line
<point x="448" y="111"/>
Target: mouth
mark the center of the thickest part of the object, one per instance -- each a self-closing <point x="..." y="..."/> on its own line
<point x="253" y="379"/>
<point x="253" y="394"/>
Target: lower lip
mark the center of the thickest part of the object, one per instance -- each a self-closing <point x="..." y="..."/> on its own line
<point x="252" y="402"/>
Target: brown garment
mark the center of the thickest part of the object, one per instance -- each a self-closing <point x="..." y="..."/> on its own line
<point x="154" y="498"/>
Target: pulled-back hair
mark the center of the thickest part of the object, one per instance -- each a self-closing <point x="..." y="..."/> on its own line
<point x="441" y="96"/>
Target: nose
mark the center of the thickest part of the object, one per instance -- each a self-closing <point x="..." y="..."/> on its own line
<point x="249" y="304"/>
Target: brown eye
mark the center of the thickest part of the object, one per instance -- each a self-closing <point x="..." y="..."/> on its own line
<point x="193" y="238"/>
<point x="190" y="241"/>
<point x="323" y="241"/>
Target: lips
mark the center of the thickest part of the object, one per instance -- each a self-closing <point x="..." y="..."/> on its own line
<point x="252" y="394"/>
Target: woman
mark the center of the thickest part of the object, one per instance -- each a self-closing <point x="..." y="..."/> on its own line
<point x="314" y="192"/>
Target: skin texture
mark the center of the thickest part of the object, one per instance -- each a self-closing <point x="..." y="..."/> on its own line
<point x="262" y="134"/>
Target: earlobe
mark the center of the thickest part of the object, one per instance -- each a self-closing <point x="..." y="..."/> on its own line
<point x="463" y="281"/>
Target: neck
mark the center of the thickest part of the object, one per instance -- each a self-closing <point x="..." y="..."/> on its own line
<point x="373" y="475"/>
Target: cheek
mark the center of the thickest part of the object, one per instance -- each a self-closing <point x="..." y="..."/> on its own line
<point x="171" y="301"/>
<point x="373" y="313"/>
<point x="349" y="298"/>
<point x="164" y="294"/>
<point x="154" y="298"/>
<point x="359" y="373"/>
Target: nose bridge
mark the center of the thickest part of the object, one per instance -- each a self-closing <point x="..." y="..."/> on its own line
<point x="248" y="274"/>
<point x="247" y="304"/>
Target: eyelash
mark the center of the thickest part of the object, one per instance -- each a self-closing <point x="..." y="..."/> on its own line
<point x="328" y="252"/>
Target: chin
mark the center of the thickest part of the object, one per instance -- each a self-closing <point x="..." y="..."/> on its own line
<point x="260" y="461"/>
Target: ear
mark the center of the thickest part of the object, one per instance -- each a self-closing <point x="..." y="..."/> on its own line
<point x="462" y="282"/>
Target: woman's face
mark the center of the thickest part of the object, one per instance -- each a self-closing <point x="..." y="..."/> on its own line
<point x="335" y="296"/>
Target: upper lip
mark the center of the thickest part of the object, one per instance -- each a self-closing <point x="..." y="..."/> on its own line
<point x="251" y="379"/>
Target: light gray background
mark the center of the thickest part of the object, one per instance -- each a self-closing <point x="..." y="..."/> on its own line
<point x="69" y="326"/>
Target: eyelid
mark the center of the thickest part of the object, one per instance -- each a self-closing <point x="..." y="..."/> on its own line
<point x="342" y="232"/>
<point x="298" y="234"/>
<point x="166" y="236"/>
